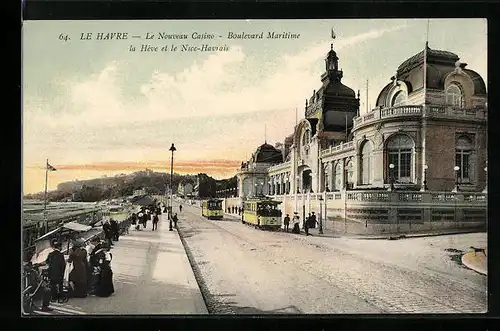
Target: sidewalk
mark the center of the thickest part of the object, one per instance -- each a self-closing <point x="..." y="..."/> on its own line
<point x="151" y="275"/>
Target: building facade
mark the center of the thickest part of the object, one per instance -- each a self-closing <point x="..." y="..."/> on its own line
<point x="427" y="135"/>
<point x="185" y="189"/>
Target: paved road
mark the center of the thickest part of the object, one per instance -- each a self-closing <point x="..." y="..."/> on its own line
<point x="245" y="270"/>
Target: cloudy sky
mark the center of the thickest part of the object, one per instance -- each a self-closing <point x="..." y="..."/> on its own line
<point x="95" y="108"/>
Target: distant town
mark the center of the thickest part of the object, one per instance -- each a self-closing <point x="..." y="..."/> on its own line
<point x="151" y="182"/>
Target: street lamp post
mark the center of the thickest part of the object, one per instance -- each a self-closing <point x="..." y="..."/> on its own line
<point x="456" y="169"/>
<point x="391" y="175"/>
<point x="346" y="178"/>
<point x="172" y="149"/>
<point x="425" y="177"/>
<point x="320" y="214"/>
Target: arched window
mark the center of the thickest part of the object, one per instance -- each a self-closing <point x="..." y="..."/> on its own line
<point x="399" y="99"/>
<point x="454" y="95"/>
<point x="463" y="152"/>
<point x="338" y="176"/>
<point x="305" y="137"/>
<point x="350" y="173"/>
<point x="305" y="143"/>
<point x="399" y="153"/>
<point x="366" y="155"/>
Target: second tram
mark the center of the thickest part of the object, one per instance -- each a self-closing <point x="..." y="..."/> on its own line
<point x="262" y="213"/>
<point x="212" y="209"/>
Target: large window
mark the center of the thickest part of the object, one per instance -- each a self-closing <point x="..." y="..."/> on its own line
<point x="306" y="137"/>
<point x="350" y="173"/>
<point x="463" y="152"/>
<point x="399" y="99"/>
<point x="327" y="178"/>
<point x="454" y="95"/>
<point x="366" y="155"/>
<point x="399" y="154"/>
<point x="338" y="176"/>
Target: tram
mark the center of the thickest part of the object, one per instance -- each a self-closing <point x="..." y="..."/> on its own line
<point x="212" y="209"/>
<point x="262" y="213"/>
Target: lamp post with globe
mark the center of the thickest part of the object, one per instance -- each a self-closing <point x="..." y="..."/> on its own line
<point x="391" y="176"/>
<point x="456" y="169"/>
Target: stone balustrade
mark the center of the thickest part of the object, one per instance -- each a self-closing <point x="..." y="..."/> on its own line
<point x="395" y="197"/>
<point x="342" y="147"/>
<point x="441" y="111"/>
<point x="278" y="167"/>
<point x="375" y="212"/>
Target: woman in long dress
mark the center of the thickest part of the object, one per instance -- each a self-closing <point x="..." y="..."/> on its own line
<point x="78" y="276"/>
<point x="101" y="261"/>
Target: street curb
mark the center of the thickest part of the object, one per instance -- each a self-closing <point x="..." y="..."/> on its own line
<point x="416" y="235"/>
<point x="197" y="274"/>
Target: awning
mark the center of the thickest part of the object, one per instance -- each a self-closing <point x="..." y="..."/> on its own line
<point x="49" y="234"/>
<point x="66" y="228"/>
<point x="77" y="227"/>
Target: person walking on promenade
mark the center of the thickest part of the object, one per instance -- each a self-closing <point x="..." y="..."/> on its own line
<point x="312" y="221"/>
<point x="56" y="266"/>
<point x="135" y="218"/>
<point x="296" y="221"/>
<point x="139" y="220"/>
<point x="114" y="229"/>
<point x="155" y="221"/>
<point x="90" y="268"/>
<point x="102" y="275"/>
<point x="78" y="276"/>
<point x="307" y="224"/>
<point x="304" y="221"/>
<point x="145" y="218"/>
<point x="108" y="233"/>
<point x="175" y="219"/>
<point x="286" y="222"/>
<point x="180" y="208"/>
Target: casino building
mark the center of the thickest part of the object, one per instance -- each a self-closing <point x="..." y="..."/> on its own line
<point x="416" y="161"/>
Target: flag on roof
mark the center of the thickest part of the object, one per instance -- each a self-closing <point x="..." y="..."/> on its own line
<point x="333" y="35"/>
<point x="50" y="168"/>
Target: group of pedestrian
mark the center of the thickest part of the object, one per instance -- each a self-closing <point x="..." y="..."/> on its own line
<point x="234" y="210"/>
<point x="145" y="214"/>
<point x="87" y="269"/>
<point x="111" y="231"/>
<point x="309" y="222"/>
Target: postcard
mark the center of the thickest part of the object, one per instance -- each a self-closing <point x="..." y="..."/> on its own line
<point x="249" y="167"/>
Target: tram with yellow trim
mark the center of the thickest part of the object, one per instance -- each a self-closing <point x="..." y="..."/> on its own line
<point x="262" y="213"/>
<point x="212" y="209"/>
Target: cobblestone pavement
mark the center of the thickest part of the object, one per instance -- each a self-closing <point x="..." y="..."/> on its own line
<point x="244" y="270"/>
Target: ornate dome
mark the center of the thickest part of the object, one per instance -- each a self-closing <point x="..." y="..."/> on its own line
<point x="267" y="154"/>
<point x="439" y="65"/>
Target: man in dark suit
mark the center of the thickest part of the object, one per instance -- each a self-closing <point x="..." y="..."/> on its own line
<point x="56" y="263"/>
<point x="114" y="229"/>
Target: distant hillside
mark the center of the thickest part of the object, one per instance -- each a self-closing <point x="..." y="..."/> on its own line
<point x="124" y="185"/>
